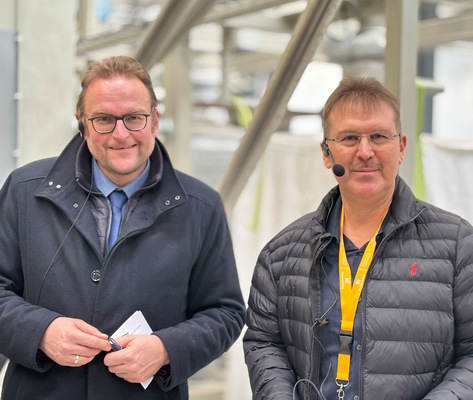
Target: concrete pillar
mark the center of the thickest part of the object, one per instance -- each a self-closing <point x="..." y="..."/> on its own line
<point x="177" y="103"/>
<point x="8" y="83"/>
<point x="46" y="81"/>
<point x="401" y="71"/>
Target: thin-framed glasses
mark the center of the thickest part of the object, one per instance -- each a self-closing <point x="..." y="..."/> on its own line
<point x="107" y="123"/>
<point x="353" y="139"/>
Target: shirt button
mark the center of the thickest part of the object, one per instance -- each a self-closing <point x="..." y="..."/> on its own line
<point x="95" y="275"/>
<point x="358" y="347"/>
<point x="356" y="398"/>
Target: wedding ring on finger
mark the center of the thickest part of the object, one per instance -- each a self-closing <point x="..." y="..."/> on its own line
<point x="76" y="360"/>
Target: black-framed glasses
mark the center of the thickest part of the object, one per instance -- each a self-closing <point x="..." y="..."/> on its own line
<point x="107" y="123"/>
<point x="353" y="139"/>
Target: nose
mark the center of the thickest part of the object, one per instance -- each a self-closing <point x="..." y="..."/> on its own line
<point x="365" y="151"/>
<point x="120" y="129"/>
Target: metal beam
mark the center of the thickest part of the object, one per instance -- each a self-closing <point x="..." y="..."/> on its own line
<point x="174" y="21"/>
<point x="241" y="9"/>
<point x="220" y="14"/>
<point x="434" y="32"/>
<point x="401" y="71"/>
<point x="86" y="17"/>
<point x="126" y="34"/>
<point x="300" y="51"/>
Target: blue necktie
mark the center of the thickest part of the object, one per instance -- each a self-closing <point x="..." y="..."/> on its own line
<point x="117" y="200"/>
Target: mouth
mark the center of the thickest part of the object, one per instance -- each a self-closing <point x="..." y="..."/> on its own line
<point x="366" y="170"/>
<point x="123" y="147"/>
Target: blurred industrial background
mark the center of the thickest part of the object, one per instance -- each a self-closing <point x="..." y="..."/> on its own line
<point x="241" y="85"/>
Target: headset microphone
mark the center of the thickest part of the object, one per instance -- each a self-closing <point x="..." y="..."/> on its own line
<point x="80" y="126"/>
<point x="337" y="169"/>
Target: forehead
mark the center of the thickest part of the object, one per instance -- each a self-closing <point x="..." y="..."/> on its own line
<point x="118" y="91"/>
<point x="358" y="106"/>
<point x="358" y="112"/>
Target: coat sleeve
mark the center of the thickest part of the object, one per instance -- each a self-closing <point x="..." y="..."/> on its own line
<point x="457" y="384"/>
<point x="216" y="309"/>
<point x="271" y="374"/>
<point x="22" y="323"/>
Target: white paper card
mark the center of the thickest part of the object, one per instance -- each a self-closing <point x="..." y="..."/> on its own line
<point x="136" y="324"/>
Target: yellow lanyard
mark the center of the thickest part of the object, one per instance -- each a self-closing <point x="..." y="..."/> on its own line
<point x="349" y="297"/>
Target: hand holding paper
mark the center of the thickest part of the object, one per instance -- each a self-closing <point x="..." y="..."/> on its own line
<point x="142" y="355"/>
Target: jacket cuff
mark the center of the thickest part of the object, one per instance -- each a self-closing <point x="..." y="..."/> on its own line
<point x="43" y="362"/>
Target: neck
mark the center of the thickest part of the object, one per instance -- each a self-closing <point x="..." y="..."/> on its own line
<point x="361" y="222"/>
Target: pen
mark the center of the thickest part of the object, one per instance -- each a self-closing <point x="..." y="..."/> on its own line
<point x="114" y="344"/>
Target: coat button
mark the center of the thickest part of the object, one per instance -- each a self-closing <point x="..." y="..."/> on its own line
<point x="95" y="275"/>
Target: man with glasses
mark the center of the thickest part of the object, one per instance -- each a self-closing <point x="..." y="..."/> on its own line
<point x="371" y="296"/>
<point x="107" y="229"/>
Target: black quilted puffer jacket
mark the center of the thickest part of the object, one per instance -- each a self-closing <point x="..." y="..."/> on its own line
<point x="417" y="328"/>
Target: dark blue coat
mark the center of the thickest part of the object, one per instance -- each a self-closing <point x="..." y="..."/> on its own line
<point x="173" y="260"/>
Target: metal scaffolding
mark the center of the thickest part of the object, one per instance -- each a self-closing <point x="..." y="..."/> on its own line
<point x="299" y="52"/>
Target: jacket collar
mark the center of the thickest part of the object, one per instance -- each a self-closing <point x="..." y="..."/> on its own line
<point x="72" y="169"/>
<point x="84" y="174"/>
<point x="405" y="206"/>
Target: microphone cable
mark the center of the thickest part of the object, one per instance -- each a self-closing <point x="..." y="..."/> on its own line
<point x="62" y="243"/>
<point x="321" y="321"/>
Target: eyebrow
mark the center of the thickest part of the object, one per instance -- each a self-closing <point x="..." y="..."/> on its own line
<point x="355" y="131"/>
<point x="102" y="113"/>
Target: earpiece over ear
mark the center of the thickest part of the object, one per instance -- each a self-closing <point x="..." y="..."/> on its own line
<point x="80" y="125"/>
<point x="325" y="147"/>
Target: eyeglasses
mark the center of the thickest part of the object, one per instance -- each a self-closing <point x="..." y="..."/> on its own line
<point x="377" y="139"/>
<point x="107" y="123"/>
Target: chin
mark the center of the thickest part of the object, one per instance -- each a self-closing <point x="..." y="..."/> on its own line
<point x="367" y="190"/>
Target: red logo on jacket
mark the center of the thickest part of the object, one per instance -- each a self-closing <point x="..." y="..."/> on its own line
<point x="413" y="269"/>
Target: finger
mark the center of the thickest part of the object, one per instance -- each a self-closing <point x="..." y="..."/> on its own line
<point x="123" y="341"/>
<point x="89" y="329"/>
<point x="84" y="351"/>
<point x="78" y="360"/>
<point x="93" y="340"/>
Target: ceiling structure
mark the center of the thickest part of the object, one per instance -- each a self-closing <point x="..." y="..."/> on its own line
<point x="290" y="34"/>
<point x="129" y="19"/>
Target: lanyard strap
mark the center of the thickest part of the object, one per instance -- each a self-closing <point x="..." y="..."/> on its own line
<point x="349" y="297"/>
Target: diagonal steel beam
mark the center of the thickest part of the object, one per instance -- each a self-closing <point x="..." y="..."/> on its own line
<point x="434" y="32"/>
<point x="241" y="9"/>
<point x="271" y="109"/>
<point x="174" y="21"/>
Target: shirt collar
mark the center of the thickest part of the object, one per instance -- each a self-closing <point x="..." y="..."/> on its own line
<point x="106" y="186"/>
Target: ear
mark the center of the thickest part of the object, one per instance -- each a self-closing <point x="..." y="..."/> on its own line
<point x="80" y="126"/>
<point x="325" y="152"/>
<point x="155" y="122"/>
<point x="402" y="147"/>
<point x="325" y="149"/>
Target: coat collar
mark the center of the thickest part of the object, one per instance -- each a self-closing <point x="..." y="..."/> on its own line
<point x="404" y="208"/>
<point x="70" y="178"/>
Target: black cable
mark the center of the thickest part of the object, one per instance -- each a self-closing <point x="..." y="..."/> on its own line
<point x="62" y="242"/>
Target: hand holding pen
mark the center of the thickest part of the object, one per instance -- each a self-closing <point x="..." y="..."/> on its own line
<point x="115" y="345"/>
<point x="142" y="356"/>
